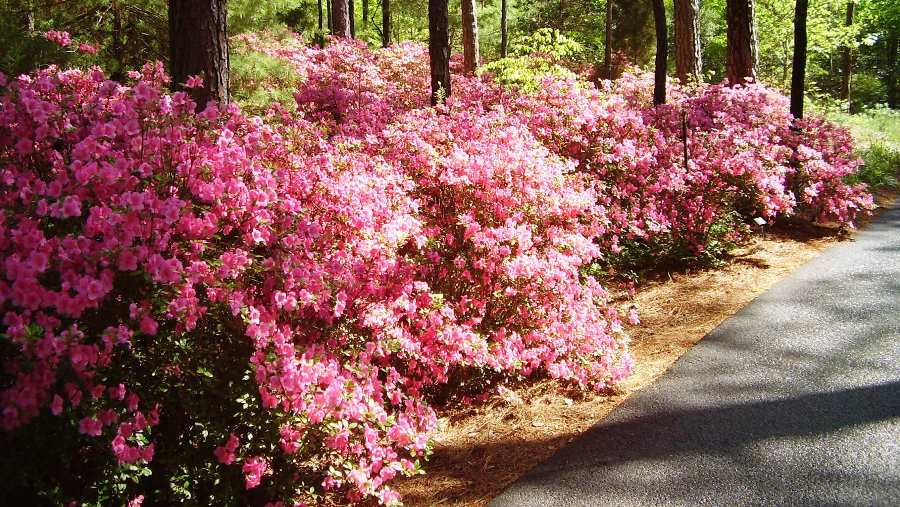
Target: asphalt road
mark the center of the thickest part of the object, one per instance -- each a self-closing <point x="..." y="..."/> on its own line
<point x="793" y="401"/>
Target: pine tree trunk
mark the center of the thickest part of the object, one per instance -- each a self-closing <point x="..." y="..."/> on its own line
<point x="321" y="35"/>
<point x="385" y="23"/>
<point x="688" y="52"/>
<point x="340" y="18"/>
<point x="504" y="28"/>
<point x="471" y="55"/>
<point x="352" y="15"/>
<point x="439" y="49"/>
<point x="798" y="79"/>
<point x="847" y="57"/>
<point x="199" y="46"/>
<point x="743" y="51"/>
<point x="662" y="53"/>
<point x="328" y="13"/>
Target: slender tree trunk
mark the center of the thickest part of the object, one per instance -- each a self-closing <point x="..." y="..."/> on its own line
<point x="662" y="53"/>
<point x="743" y="51"/>
<point x="893" y="61"/>
<point x="798" y="79"/>
<point x="328" y="11"/>
<point x="470" y="44"/>
<point x="352" y="15"/>
<point x="199" y="46"/>
<point x="688" y="52"/>
<point x="365" y="13"/>
<point x="504" y="28"/>
<point x="340" y="18"/>
<point x="439" y="49"/>
<point x="321" y="35"/>
<point x="607" y="41"/>
<point x="847" y="57"/>
<point x="385" y="23"/>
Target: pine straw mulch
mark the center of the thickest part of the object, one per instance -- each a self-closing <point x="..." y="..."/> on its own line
<point x="480" y="450"/>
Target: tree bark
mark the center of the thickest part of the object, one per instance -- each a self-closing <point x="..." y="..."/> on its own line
<point x="439" y="49"/>
<point x="328" y="12"/>
<point x="471" y="55"/>
<point x="320" y="36"/>
<point x="340" y="18"/>
<point x="352" y="15"/>
<point x="688" y="52"/>
<point x="847" y="56"/>
<point x="504" y="28"/>
<point x="743" y="51"/>
<point x="662" y="53"/>
<point x="385" y="23"/>
<point x="365" y="13"/>
<point x="798" y="79"/>
<point x="199" y="46"/>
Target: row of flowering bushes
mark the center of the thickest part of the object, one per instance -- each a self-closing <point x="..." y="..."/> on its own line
<point x="219" y="308"/>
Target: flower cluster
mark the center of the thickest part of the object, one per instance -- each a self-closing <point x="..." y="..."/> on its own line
<point x="368" y="253"/>
<point x="59" y="37"/>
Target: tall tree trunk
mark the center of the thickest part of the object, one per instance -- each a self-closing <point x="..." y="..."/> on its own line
<point x="893" y="62"/>
<point x="847" y="56"/>
<point x="365" y="13"/>
<point x="328" y="11"/>
<point x="385" y="23"/>
<point x="439" y="49"/>
<point x="662" y="53"/>
<point x="321" y="35"/>
<point x="471" y="55"/>
<point x="743" y="51"/>
<point x="688" y="52"/>
<point x="340" y="18"/>
<point x="798" y="79"/>
<point x="504" y="28"/>
<point x="352" y="15"/>
<point x="199" y="46"/>
<point x="607" y="41"/>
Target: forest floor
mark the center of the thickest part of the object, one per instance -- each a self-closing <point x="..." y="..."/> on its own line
<point x="479" y="450"/>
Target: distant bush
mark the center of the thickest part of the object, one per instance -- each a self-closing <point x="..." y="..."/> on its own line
<point x="881" y="167"/>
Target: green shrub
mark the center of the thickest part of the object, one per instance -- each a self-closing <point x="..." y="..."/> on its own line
<point x="881" y="168"/>
<point x="537" y="56"/>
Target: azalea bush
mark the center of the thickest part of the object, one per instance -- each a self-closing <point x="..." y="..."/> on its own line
<point x="208" y="306"/>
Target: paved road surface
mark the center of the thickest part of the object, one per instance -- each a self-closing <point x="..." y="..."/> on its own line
<point x="793" y="401"/>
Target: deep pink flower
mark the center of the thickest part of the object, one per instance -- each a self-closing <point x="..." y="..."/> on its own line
<point x="254" y="468"/>
<point x="59" y="37"/>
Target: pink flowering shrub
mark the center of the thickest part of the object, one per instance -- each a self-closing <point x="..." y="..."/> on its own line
<point x="59" y="37"/>
<point x="218" y="306"/>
